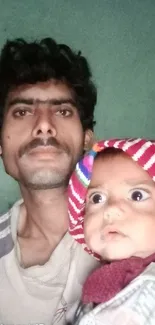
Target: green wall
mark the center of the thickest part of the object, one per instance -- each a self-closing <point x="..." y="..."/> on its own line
<point x="118" y="37"/>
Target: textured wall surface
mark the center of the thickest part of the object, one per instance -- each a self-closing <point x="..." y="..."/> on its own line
<point x="118" y="38"/>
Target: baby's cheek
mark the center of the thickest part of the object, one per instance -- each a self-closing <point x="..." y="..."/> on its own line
<point x="88" y="232"/>
<point x="92" y="238"/>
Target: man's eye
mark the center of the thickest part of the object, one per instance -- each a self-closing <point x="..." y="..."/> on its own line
<point x="65" y="112"/>
<point x="21" y="112"/>
<point x="138" y="195"/>
<point x="96" y="198"/>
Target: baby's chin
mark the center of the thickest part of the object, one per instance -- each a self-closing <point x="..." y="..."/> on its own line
<point x="112" y="249"/>
<point x="111" y="255"/>
<point x="116" y="249"/>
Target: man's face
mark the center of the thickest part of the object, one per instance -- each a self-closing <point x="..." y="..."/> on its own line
<point x="42" y="136"/>
<point x="120" y="209"/>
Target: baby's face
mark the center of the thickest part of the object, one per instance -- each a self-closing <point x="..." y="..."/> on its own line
<point x="120" y="209"/>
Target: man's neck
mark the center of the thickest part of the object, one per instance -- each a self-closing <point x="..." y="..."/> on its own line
<point x="44" y="222"/>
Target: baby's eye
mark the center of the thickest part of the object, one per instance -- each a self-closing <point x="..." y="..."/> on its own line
<point x="96" y="198"/>
<point x="138" y="195"/>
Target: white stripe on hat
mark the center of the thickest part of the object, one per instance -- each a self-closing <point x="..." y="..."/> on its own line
<point x="74" y="206"/>
<point x="72" y="219"/>
<point x="141" y="151"/>
<point x="106" y="143"/>
<point x="79" y="236"/>
<point x="117" y="143"/>
<point x="74" y="193"/>
<point x="150" y="162"/>
<point x="130" y="143"/>
<point x="78" y="226"/>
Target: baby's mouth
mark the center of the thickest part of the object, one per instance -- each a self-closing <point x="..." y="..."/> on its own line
<point x="110" y="233"/>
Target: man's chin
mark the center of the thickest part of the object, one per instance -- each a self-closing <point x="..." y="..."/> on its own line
<point x="44" y="179"/>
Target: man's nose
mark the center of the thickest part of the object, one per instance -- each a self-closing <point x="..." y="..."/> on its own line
<point x="44" y="126"/>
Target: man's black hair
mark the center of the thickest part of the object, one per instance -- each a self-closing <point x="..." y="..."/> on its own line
<point x="23" y="62"/>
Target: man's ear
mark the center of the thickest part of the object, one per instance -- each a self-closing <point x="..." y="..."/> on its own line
<point x="89" y="140"/>
<point x="0" y="150"/>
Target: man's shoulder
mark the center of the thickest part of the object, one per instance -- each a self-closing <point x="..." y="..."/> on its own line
<point x="6" y="240"/>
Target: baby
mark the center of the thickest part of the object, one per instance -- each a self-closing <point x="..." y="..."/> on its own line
<point x="112" y="214"/>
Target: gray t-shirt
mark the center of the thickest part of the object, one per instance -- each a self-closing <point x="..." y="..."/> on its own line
<point x="39" y="294"/>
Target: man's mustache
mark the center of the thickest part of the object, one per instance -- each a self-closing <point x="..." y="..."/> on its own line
<point x="37" y="142"/>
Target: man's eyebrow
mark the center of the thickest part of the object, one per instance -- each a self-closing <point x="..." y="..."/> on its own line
<point x="20" y="100"/>
<point x="31" y="101"/>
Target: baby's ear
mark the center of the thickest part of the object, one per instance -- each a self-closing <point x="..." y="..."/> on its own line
<point x="0" y="150"/>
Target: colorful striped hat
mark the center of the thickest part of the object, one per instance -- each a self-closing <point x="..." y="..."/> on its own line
<point x="140" y="150"/>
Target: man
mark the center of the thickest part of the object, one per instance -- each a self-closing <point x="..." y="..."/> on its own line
<point x="47" y="102"/>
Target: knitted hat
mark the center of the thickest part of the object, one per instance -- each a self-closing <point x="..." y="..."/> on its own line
<point x="140" y="150"/>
